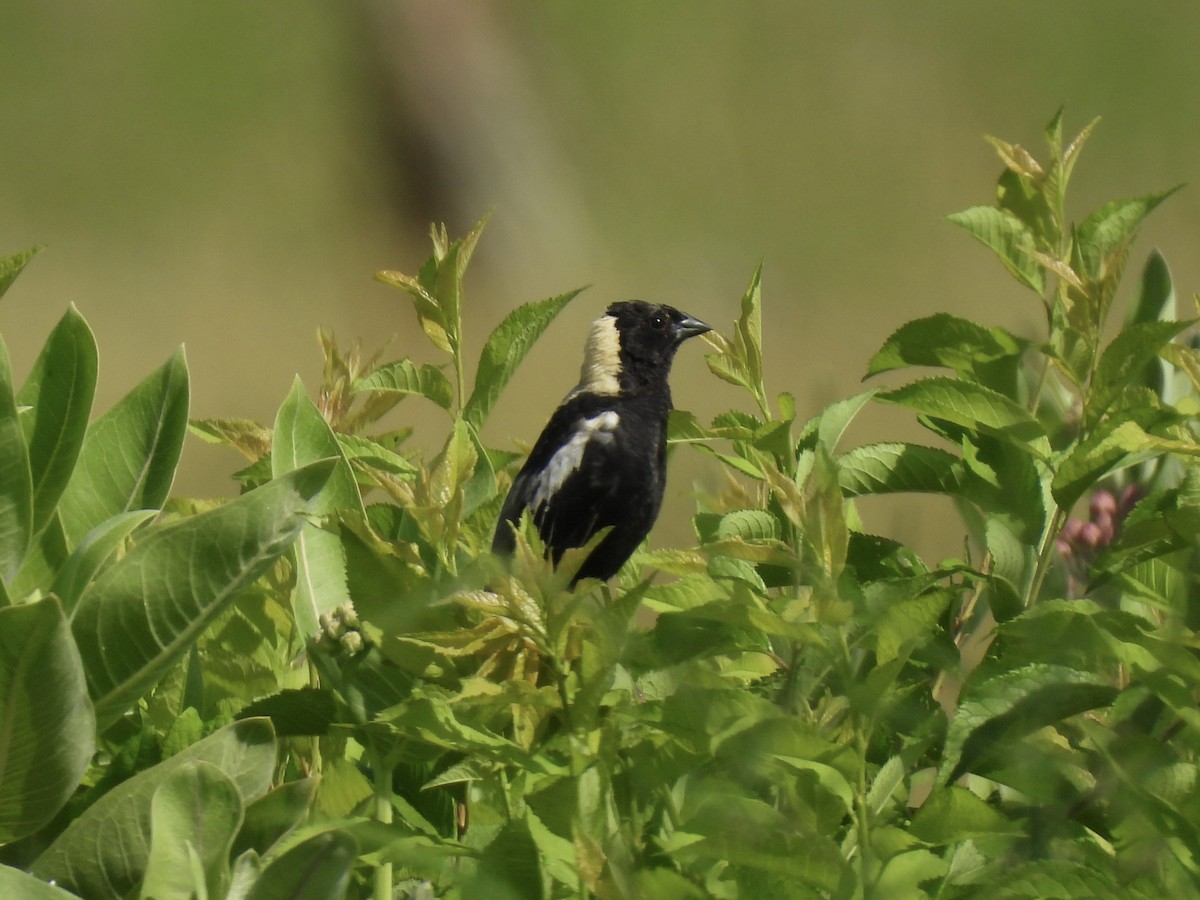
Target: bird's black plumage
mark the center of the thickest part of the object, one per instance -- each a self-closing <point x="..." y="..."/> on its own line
<point x="601" y="459"/>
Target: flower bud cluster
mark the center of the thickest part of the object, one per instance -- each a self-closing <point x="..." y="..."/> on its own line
<point x="1081" y="541"/>
<point x="340" y="631"/>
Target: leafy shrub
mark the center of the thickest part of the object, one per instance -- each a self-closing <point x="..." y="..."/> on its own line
<point x="328" y="686"/>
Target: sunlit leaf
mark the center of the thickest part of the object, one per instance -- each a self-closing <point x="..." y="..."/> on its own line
<point x="504" y="350"/>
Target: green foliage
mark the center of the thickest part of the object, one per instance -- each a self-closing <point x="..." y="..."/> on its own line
<point x="327" y="687"/>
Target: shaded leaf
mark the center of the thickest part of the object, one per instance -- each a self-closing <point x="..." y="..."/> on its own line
<point x="47" y="726"/>
<point x="129" y="454"/>
<point x="140" y="616"/>
<point x="1008" y="706"/>
<point x="104" y="851"/>
<point x="16" y="484"/>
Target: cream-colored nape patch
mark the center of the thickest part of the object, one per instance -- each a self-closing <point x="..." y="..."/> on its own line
<point x="601" y="373"/>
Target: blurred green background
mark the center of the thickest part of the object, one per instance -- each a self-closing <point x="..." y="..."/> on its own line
<point x="230" y="175"/>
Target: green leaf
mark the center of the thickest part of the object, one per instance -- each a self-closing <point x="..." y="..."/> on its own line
<point x="104" y="851"/>
<point x="315" y="869"/>
<point x="11" y="266"/>
<point x="903" y="874"/>
<point x="1117" y="443"/>
<point x="1009" y="238"/>
<point x="372" y="455"/>
<point x="952" y="814"/>
<point x="194" y="814"/>
<point x="1156" y="292"/>
<point x="741" y="361"/>
<point x="58" y="393"/>
<point x="1004" y="708"/>
<point x="1107" y="232"/>
<point x="943" y="340"/>
<point x="274" y="814"/>
<point x="47" y="726"/>
<point x="15" y="883"/>
<point x="141" y="615"/>
<point x="97" y="546"/>
<point x="828" y="426"/>
<point x="506" y="347"/>
<point x="898" y="467"/>
<point x="510" y="866"/>
<point x="1125" y="359"/>
<point x="406" y="377"/>
<point x="129" y="455"/>
<point x="972" y="406"/>
<point x="16" y="484"/>
<point x="302" y="436"/>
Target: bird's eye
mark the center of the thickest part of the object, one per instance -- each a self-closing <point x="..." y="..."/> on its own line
<point x="658" y="322"/>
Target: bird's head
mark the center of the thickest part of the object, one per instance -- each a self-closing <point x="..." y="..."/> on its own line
<point x="633" y="344"/>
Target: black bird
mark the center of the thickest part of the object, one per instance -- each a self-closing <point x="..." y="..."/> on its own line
<point x="601" y="459"/>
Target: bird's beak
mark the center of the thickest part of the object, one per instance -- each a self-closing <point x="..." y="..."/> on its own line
<point x="689" y="327"/>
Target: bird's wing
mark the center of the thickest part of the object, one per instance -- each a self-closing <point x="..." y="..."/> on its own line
<point x="554" y="484"/>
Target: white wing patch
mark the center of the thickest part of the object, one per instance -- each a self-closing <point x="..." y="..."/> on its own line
<point x="569" y="456"/>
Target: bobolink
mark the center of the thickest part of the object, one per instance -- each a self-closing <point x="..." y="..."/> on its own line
<point x="601" y="459"/>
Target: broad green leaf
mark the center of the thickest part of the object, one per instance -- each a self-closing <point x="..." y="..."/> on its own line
<point x="141" y="615"/>
<point x="943" y="340"/>
<point x="910" y="623"/>
<point x="1156" y="292"/>
<point x="972" y="406"/>
<point x="302" y="436"/>
<point x="58" y="393"/>
<point x="510" y="865"/>
<point x="15" y="883"/>
<point x="506" y="347"/>
<point x="748" y="525"/>
<point x="368" y="453"/>
<point x="97" y="546"/>
<point x="16" y="484"/>
<point x="1002" y="709"/>
<point x="1009" y="238"/>
<point x="274" y="814"/>
<point x="743" y="832"/>
<point x="129" y="454"/>
<point x="834" y="419"/>
<point x="903" y="874"/>
<point x="896" y="467"/>
<point x="315" y="869"/>
<point x="103" y="852"/>
<point x="11" y="266"/>
<point x="1060" y="879"/>
<point x="43" y="561"/>
<point x="406" y="377"/>
<point x="47" y="726"/>
<point x="194" y="814"/>
<point x="952" y="814"/>
<point x="1115" y="444"/>
<point x="1125" y="359"/>
<point x="1108" y="230"/>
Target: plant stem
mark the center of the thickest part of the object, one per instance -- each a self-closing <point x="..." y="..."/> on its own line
<point x="1045" y="555"/>
<point x="382" y="811"/>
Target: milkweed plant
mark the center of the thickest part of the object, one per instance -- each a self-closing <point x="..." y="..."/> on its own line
<point x="329" y="687"/>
